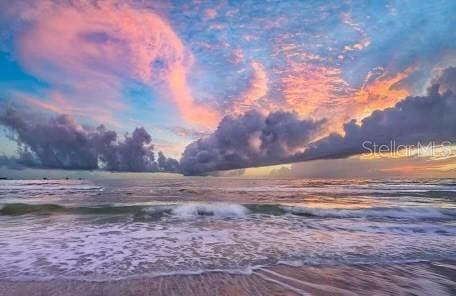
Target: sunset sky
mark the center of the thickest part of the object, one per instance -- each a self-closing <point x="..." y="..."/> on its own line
<point x="179" y="68"/>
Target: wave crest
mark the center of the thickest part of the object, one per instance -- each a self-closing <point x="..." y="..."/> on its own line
<point x="395" y="213"/>
<point x="220" y="210"/>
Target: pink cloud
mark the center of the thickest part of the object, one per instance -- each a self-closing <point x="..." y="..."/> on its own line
<point x="57" y="103"/>
<point x="89" y="49"/>
<point x="257" y="90"/>
<point x="237" y="56"/>
<point x="210" y="13"/>
<point x="181" y="95"/>
<point x="364" y="40"/>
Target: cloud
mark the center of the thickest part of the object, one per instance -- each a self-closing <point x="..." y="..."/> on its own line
<point x="364" y="40"/>
<point x="56" y="102"/>
<point x="379" y="91"/>
<point x="446" y="79"/>
<point x="167" y="164"/>
<point x="420" y="119"/>
<point x="61" y="143"/>
<point x="311" y="89"/>
<point x="318" y="91"/>
<point x="187" y="132"/>
<point x="254" y="139"/>
<point x="10" y="163"/>
<point x="88" y="50"/>
<point x="237" y="56"/>
<point x="249" y="140"/>
<point x="257" y="90"/>
<point x="210" y="13"/>
<point x="356" y="167"/>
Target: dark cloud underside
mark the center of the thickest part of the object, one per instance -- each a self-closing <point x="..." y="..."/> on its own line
<point x="280" y="135"/>
<point x="61" y="143"/>
<point x="249" y="140"/>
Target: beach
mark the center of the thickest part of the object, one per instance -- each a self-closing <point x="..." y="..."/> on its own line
<point x="294" y="147"/>
<point x="193" y="236"/>
<point x="436" y="278"/>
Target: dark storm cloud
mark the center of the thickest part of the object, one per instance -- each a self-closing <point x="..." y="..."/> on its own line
<point x="420" y="119"/>
<point x="10" y="163"/>
<point x="447" y="80"/>
<point x="167" y="164"/>
<point x="248" y="140"/>
<point x="61" y="143"/>
<point x="255" y="140"/>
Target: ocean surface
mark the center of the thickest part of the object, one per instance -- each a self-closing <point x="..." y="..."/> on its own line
<point x="100" y="230"/>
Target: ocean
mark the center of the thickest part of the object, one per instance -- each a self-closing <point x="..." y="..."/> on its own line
<point x="111" y="230"/>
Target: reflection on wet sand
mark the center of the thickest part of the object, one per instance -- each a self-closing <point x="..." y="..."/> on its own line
<point x="438" y="278"/>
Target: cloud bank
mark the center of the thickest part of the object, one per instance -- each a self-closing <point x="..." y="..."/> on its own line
<point x="416" y="119"/>
<point x="61" y="143"/>
<point x="256" y="140"/>
<point x="251" y="139"/>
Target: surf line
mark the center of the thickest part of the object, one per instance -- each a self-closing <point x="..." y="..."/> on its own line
<point x="285" y="285"/>
<point x="315" y="286"/>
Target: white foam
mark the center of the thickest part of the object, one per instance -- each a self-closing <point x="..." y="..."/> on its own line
<point x="218" y="210"/>
<point x="195" y="237"/>
<point x="69" y="248"/>
<point x="400" y="213"/>
<point x="157" y="208"/>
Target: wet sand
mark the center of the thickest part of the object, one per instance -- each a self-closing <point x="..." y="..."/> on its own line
<point x="438" y="278"/>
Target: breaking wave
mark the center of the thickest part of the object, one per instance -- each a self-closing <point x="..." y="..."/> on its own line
<point x="229" y="210"/>
<point x="221" y="210"/>
<point x="395" y="213"/>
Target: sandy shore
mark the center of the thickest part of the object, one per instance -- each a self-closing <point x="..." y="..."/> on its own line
<point x="437" y="278"/>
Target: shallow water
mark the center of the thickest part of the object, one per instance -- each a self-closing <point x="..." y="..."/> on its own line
<point x="111" y="229"/>
<point x="437" y="278"/>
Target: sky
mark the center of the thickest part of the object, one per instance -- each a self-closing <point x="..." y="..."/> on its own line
<point x="227" y="85"/>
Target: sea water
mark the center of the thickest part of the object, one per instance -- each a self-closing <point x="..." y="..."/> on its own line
<point x="114" y="229"/>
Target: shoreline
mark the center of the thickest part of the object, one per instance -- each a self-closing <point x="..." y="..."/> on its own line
<point x="422" y="278"/>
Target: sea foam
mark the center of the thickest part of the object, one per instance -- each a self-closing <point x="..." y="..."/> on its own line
<point x="395" y="213"/>
<point x="221" y="210"/>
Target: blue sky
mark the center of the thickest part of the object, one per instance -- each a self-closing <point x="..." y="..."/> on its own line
<point x="178" y="67"/>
